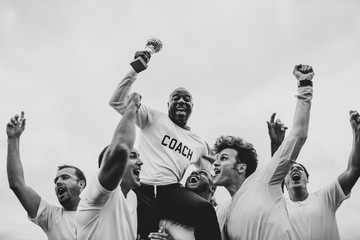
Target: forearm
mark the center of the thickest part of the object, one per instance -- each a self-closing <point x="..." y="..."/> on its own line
<point x="302" y="113"/>
<point x="274" y="147"/>
<point x="118" y="99"/>
<point x="14" y="167"/>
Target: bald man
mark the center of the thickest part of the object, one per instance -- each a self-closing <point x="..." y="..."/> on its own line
<point x="168" y="146"/>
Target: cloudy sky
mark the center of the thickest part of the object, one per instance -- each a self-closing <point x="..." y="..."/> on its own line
<point x="61" y="60"/>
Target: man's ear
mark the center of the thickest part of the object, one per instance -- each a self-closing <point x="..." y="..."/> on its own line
<point x="241" y="168"/>
<point x="212" y="190"/>
<point x="82" y="183"/>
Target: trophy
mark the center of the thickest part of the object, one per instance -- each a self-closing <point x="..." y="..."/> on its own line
<point x="153" y="45"/>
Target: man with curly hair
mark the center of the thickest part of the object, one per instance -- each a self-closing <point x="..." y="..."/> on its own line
<point x="256" y="195"/>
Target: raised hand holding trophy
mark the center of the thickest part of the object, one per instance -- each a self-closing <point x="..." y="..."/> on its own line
<point x="153" y="45"/>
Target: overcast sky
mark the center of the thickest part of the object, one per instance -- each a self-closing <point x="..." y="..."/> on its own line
<point x="61" y="60"/>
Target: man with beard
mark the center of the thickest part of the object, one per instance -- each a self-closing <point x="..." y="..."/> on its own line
<point x="313" y="214"/>
<point x="57" y="222"/>
<point x="168" y="146"/>
<point x="200" y="182"/>
<point x="107" y="209"/>
<point x="257" y="196"/>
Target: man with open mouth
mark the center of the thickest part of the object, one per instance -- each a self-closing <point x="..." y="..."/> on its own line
<point x="258" y="207"/>
<point x="107" y="209"/>
<point x="200" y="182"/>
<point x="314" y="214"/>
<point x="168" y="146"/>
<point x="57" y="222"/>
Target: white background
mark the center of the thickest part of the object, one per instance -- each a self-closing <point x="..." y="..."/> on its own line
<point x="61" y="60"/>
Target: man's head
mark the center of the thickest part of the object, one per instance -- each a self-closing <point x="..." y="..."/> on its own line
<point x="69" y="182"/>
<point x="201" y="182"/>
<point x="131" y="177"/>
<point x="297" y="177"/>
<point x="236" y="159"/>
<point x="180" y="106"/>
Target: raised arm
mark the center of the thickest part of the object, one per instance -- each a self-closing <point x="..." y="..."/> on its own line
<point x="117" y="154"/>
<point x="348" y="178"/>
<point x="290" y="148"/>
<point x="276" y="131"/>
<point x="118" y="99"/>
<point x="26" y="195"/>
<point x="304" y="74"/>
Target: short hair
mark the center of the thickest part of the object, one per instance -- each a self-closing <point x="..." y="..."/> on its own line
<point x="246" y="152"/>
<point x="306" y="173"/>
<point x="101" y="155"/>
<point x="79" y="174"/>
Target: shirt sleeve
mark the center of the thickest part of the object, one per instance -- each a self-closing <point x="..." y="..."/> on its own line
<point x="333" y="195"/>
<point x="95" y="195"/>
<point x="118" y="99"/>
<point x="285" y="156"/>
<point x="145" y="115"/>
<point x="45" y="215"/>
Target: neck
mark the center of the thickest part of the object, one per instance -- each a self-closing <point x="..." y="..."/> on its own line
<point x="125" y="190"/>
<point x="72" y="207"/>
<point x="298" y="194"/>
<point x="234" y="187"/>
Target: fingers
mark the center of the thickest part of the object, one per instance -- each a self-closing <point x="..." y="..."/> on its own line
<point x="209" y="158"/>
<point x="354" y="115"/>
<point x="272" y="118"/>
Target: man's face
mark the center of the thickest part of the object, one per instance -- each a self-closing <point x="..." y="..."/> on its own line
<point x="180" y="106"/>
<point x="67" y="187"/>
<point x="131" y="176"/>
<point x="296" y="177"/>
<point x="199" y="181"/>
<point x="225" y="168"/>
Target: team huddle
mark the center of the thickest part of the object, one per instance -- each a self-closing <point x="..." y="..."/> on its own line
<point x="137" y="194"/>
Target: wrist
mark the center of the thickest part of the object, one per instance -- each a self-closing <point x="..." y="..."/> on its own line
<point x="305" y="83"/>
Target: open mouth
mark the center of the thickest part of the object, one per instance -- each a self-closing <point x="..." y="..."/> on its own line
<point x="216" y="172"/>
<point x="193" y="179"/>
<point x="61" y="191"/>
<point x="137" y="172"/>
<point x="295" y="176"/>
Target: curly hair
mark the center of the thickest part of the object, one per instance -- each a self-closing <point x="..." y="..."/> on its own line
<point x="246" y="152"/>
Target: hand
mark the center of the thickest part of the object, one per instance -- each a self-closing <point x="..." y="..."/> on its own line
<point x="303" y="72"/>
<point x="209" y="158"/>
<point x="134" y="99"/>
<point x="158" y="235"/>
<point x="355" y="121"/>
<point x="145" y="55"/>
<point x="16" y="126"/>
<point x="276" y="130"/>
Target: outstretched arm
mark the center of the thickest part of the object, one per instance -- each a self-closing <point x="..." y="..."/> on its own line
<point x="299" y="131"/>
<point x="276" y="131"/>
<point x="289" y="150"/>
<point x="118" y="99"/>
<point x="26" y="195"/>
<point x="349" y="177"/>
<point x="116" y="155"/>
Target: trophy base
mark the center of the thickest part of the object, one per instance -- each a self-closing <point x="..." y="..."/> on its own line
<point x="138" y="65"/>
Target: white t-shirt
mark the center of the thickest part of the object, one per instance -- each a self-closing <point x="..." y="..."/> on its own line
<point x="166" y="149"/>
<point x="222" y="210"/>
<point x="104" y="214"/>
<point x="57" y="223"/>
<point x="314" y="218"/>
<point x="258" y="209"/>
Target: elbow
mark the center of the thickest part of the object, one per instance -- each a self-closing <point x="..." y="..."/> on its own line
<point x="14" y="186"/>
